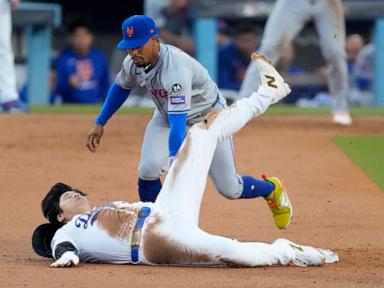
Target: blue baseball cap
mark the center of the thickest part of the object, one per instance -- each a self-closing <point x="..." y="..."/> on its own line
<point x="137" y="30"/>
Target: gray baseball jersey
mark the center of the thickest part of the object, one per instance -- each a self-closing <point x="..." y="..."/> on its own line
<point x="177" y="83"/>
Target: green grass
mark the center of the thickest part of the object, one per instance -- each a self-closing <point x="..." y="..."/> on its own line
<point x="367" y="152"/>
<point x="277" y="110"/>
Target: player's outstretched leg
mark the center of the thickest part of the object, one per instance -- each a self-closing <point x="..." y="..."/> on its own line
<point x="184" y="185"/>
<point x="197" y="247"/>
<point x="272" y="89"/>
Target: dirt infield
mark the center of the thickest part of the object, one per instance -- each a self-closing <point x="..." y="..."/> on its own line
<point x="335" y="204"/>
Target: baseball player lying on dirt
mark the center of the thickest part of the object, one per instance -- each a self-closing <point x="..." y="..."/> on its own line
<point x="166" y="232"/>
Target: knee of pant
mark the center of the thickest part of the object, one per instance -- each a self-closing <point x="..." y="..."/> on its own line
<point x="332" y="55"/>
<point x="149" y="171"/>
<point x="273" y="48"/>
<point x="230" y="189"/>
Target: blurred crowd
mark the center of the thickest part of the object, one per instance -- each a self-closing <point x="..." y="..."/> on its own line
<point x="81" y="73"/>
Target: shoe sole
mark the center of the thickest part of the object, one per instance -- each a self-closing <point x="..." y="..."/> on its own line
<point x="290" y="217"/>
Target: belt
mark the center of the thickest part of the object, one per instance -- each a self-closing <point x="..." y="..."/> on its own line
<point x="201" y="115"/>
<point x="216" y="101"/>
<point x="136" y="234"/>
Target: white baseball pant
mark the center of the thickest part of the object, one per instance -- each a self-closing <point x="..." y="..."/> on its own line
<point x="285" y="22"/>
<point x="173" y="236"/>
<point x="8" y="89"/>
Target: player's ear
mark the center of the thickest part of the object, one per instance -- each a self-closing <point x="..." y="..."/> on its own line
<point x="156" y="38"/>
<point x="60" y="217"/>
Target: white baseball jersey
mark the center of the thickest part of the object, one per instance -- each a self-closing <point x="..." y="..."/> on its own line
<point x="102" y="235"/>
<point x="177" y="83"/>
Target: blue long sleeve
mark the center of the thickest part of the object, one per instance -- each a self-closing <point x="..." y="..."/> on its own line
<point x="177" y="125"/>
<point x="115" y="98"/>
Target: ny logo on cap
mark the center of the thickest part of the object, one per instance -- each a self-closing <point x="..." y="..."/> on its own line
<point x="130" y="31"/>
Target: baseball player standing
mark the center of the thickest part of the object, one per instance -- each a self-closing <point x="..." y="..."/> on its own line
<point x="286" y="21"/>
<point x="184" y="94"/>
<point x="167" y="231"/>
<point x="9" y="97"/>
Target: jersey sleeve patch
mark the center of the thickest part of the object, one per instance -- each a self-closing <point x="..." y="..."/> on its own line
<point x="176" y="87"/>
<point x="180" y="99"/>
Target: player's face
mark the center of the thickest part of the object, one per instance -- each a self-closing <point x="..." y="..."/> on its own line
<point x="146" y="54"/>
<point x="246" y="43"/>
<point x="72" y="203"/>
<point x="82" y="40"/>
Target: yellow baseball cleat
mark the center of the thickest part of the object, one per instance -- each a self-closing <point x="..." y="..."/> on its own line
<point x="279" y="203"/>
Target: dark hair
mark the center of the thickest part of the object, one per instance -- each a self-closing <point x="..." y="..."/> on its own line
<point x="246" y="28"/>
<point x="80" y="23"/>
<point x="50" y="204"/>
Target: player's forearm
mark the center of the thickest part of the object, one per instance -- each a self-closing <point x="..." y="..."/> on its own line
<point x="177" y="124"/>
<point x="115" y="98"/>
<point x="64" y="247"/>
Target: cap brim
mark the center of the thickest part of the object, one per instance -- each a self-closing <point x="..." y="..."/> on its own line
<point x="131" y="44"/>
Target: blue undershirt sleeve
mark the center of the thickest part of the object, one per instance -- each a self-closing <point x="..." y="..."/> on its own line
<point x="177" y="125"/>
<point x="115" y="98"/>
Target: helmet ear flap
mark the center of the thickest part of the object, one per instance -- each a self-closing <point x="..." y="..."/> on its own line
<point x="41" y="239"/>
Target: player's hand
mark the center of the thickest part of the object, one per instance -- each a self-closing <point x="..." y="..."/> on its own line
<point x="66" y="260"/>
<point x="94" y="136"/>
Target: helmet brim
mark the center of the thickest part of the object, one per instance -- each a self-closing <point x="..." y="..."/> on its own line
<point x="132" y="44"/>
